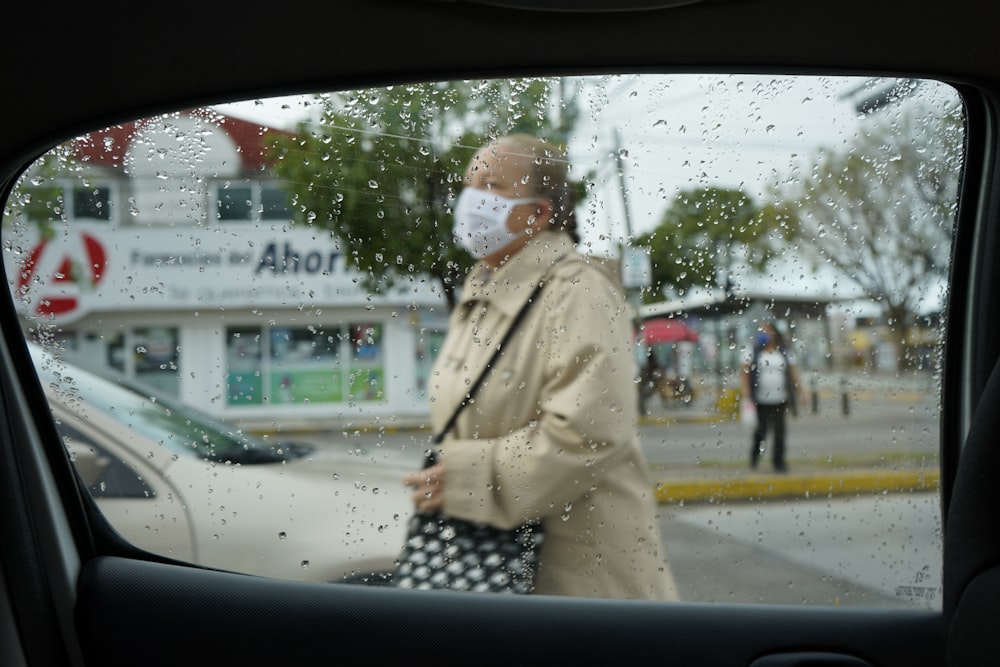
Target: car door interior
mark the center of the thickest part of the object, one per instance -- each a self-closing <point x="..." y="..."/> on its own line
<point x="73" y="593"/>
<point x="971" y="549"/>
<point x="972" y="563"/>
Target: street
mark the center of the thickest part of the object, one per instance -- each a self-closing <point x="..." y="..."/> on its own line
<point x="877" y="549"/>
<point x="889" y="421"/>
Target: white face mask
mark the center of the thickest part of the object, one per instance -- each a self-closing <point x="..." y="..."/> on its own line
<point x="481" y="221"/>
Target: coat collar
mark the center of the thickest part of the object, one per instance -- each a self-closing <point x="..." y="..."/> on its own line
<point x="507" y="286"/>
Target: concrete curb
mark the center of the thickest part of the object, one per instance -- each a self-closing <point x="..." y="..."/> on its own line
<point x="754" y="487"/>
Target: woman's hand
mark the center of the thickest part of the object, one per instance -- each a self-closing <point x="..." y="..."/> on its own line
<point x="428" y="488"/>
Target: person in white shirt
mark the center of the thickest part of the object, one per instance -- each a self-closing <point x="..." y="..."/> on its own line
<point x="771" y="381"/>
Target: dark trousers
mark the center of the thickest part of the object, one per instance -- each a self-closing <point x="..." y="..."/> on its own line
<point x="770" y="419"/>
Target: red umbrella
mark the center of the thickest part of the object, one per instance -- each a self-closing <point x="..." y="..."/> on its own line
<point x="664" y="330"/>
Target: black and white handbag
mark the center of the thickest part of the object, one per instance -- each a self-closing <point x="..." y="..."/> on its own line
<point x="445" y="553"/>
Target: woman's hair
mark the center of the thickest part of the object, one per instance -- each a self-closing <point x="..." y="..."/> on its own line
<point x="549" y="177"/>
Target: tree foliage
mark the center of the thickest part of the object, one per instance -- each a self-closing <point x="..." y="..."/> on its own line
<point x="882" y="210"/>
<point x="704" y="232"/>
<point x="40" y="198"/>
<point x="381" y="167"/>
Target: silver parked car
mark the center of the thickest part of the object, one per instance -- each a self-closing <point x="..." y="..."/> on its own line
<point x="181" y="484"/>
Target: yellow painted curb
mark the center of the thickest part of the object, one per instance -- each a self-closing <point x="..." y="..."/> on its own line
<point x="820" y="485"/>
<point x="701" y="418"/>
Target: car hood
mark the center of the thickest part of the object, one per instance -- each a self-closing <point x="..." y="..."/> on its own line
<point x="295" y="521"/>
<point x="314" y="518"/>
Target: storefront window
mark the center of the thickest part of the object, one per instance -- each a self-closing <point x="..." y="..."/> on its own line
<point x="305" y="365"/>
<point x="366" y="376"/>
<point x="428" y="345"/>
<point x="243" y="359"/>
<point x="148" y="355"/>
<point x="155" y="357"/>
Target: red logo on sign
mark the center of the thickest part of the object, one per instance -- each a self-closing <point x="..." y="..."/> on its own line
<point x="85" y="268"/>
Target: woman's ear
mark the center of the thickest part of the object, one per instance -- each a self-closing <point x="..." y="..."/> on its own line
<point x="544" y="213"/>
<point x="534" y="219"/>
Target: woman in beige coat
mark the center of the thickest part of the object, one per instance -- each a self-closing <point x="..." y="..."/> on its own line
<point x="551" y="433"/>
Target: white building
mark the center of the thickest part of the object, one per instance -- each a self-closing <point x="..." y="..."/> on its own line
<point x="221" y="301"/>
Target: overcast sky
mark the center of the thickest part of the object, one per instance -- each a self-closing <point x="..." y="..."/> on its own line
<point x="677" y="132"/>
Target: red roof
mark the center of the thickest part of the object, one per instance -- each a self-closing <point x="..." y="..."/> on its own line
<point x="108" y="147"/>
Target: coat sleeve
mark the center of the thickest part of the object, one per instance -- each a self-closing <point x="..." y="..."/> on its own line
<point x="585" y="421"/>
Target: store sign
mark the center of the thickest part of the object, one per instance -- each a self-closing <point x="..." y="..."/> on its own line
<point x="636" y="267"/>
<point x="91" y="268"/>
<point x="59" y="273"/>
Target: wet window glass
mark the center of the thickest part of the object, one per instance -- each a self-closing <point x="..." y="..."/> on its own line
<point x="251" y="319"/>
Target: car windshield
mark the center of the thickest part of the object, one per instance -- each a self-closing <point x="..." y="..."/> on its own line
<point x="726" y="388"/>
<point x="178" y="428"/>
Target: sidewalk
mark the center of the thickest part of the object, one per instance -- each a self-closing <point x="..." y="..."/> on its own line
<point x="693" y="484"/>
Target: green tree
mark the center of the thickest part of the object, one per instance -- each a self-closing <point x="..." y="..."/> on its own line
<point x="704" y="232"/>
<point x="380" y="168"/>
<point x="40" y="198"/>
<point x="882" y="210"/>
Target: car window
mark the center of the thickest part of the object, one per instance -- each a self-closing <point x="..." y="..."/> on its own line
<point x="246" y="306"/>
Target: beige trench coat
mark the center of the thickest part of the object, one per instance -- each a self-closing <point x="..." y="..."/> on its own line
<point x="552" y="430"/>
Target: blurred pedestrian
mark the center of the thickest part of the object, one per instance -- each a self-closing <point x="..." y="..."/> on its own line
<point x="650" y="380"/>
<point x="771" y="381"/>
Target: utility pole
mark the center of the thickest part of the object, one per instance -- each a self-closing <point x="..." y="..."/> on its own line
<point x="619" y="163"/>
